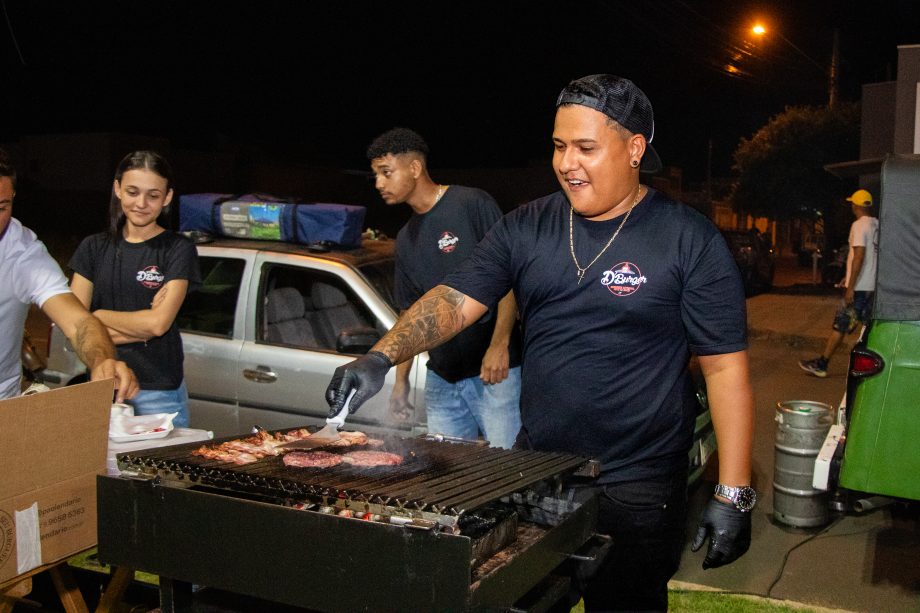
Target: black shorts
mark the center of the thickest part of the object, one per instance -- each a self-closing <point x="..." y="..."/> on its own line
<point x="848" y="317"/>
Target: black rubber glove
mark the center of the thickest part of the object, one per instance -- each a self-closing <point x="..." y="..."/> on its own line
<point x="729" y="531"/>
<point x="364" y="375"/>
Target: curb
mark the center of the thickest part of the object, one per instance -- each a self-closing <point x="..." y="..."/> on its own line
<point x="696" y="587"/>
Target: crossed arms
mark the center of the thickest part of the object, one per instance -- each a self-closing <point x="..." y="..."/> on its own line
<point x="136" y="326"/>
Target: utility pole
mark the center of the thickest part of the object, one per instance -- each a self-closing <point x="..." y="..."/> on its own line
<point x="833" y="72"/>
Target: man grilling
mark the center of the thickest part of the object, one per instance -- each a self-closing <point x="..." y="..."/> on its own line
<point x="616" y="285"/>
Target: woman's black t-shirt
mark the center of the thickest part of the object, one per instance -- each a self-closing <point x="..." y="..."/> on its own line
<point x="125" y="277"/>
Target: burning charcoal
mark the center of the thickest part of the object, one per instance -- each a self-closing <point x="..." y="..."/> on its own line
<point x="484" y="520"/>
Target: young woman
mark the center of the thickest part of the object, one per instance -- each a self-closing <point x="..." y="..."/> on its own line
<point x="134" y="278"/>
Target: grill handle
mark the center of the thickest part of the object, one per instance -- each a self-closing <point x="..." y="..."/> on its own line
<point x="440" y="438"/>
<point x="591" y="470"/>
<point x="595" y="552"/>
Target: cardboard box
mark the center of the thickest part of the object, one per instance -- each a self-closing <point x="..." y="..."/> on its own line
<point x="52" y="446"/>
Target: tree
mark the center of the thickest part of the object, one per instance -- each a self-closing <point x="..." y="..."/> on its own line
<point x="781" y="168"/>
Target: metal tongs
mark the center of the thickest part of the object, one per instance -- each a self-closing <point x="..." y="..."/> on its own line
<point x="329" y="434"/>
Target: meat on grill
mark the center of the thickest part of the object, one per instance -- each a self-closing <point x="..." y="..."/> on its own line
<point x="312" y="459"/>
<point x="262" y="444"/>
<point x="372" y="458"/>
<point x="349" y="439"/>
<point x="326" y="459"/>
<point x="346" y="438"/>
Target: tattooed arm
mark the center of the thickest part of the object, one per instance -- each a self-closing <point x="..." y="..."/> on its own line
<point x="91" y="342"/>
<point x="434" y="319"/>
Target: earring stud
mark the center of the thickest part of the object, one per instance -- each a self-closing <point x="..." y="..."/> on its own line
<point x="634" y="163"/>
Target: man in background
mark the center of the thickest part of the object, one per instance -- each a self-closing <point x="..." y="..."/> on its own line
<point x="859" y="281"/>
<point x="473" y="383"/>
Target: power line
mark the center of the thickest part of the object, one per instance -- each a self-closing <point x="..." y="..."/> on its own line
<point x="9" y="26"/>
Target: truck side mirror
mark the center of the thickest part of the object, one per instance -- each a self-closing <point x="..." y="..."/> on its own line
<point x="356" y="340"/>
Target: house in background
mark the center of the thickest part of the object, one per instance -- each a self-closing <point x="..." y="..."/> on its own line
<point x="890" y="122"/>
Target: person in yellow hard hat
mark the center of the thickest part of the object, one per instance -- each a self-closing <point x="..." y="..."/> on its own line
<point x="859" y="281"/>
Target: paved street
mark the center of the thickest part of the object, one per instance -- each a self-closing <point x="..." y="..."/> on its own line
<point x="861" y="562"/>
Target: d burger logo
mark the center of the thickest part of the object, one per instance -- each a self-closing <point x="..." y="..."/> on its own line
<point x="447" y="242"/>
<point x="150" y="277"/>
<point x="623" y="279"/>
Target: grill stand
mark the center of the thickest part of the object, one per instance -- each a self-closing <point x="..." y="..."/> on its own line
<point x="289" y="556"/>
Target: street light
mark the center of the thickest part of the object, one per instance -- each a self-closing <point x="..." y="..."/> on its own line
<point x="759" y="30"/>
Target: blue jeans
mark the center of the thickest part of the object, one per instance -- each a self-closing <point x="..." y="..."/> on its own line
<point x="468" y="407"/>
<point x="148" y="402"/>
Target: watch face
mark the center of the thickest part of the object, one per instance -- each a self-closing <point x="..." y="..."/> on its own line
<point x="746" y="498"/>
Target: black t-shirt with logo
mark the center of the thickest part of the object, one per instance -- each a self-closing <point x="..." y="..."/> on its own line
<point x="126" y="277"/>
<point x="604" y="373"/>
<point x="430" y="246"/>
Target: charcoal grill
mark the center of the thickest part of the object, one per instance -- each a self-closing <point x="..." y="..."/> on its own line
<point x="452" y="528"/>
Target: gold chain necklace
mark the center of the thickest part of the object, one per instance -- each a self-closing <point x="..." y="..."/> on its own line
<point x="582" y="271"/>
<point x="441" y="190"/>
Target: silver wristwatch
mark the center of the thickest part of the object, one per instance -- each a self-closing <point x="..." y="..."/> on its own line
<point x="744" y="498"/>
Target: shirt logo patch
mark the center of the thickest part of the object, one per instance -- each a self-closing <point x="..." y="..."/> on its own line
<point x="447" y="242"/>
<point x="623" y="279"/>
<point x="150" y="277"/>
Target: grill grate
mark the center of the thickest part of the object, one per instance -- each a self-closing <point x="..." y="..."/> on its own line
<point x="437" y="477"/>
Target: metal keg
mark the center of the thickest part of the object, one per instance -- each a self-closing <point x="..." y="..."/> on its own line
<point x="801" y="426"/>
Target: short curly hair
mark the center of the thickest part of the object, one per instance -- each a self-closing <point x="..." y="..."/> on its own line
<point x="397" y="141"/>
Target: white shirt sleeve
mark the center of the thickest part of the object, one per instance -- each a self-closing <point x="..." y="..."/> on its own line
<point x="861" y="236"/>
<point x="38" y="276"/>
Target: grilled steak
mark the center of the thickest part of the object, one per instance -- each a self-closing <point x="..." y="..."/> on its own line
<point x="372" y="458"/>
<point x="252" y="448"/>
<point x="312" y="459"/>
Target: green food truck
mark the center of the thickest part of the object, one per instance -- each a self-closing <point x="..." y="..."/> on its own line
<point x="878" y="438"/>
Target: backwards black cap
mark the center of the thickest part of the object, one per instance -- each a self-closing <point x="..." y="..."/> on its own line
<point x="620" y="100"/>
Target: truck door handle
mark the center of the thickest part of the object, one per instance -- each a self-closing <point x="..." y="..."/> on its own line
<point x="260" y="374"/>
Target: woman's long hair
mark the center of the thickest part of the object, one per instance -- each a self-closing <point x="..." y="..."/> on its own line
<point x="137" y="160"/>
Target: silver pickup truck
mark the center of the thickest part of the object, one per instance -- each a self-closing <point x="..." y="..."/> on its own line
<point x="267" y="328"/>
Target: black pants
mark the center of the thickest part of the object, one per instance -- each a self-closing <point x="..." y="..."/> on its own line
<point x="646" y="522"/>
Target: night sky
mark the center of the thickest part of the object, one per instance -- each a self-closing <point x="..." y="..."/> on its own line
<point x="316" y="81"/>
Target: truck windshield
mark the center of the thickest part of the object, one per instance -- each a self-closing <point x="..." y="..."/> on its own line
<point x="380" y="276"/>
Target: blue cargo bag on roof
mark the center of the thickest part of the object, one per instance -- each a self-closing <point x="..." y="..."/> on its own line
<point x="262" y="217"/>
